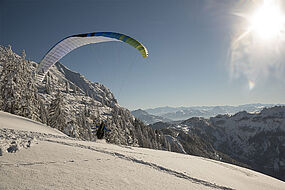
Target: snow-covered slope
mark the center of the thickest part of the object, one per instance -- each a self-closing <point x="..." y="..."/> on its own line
<point x="54" y="161"/>
<point x="15" y="122"/>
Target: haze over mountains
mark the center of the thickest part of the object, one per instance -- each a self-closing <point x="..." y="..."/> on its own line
<point x="182" y="113"/>
<point x="148" y="118"/>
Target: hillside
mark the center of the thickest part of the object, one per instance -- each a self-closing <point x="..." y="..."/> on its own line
<point x="256" y="140"/>
<point x="55" y="161"/>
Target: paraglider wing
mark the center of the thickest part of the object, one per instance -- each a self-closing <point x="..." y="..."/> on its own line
<point x="72" y="42"/>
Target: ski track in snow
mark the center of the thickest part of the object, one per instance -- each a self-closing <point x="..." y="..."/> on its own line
<point x="39" y="163"/>
<point x="230" y="167"/>
<point x="152" y="165"/>
<point x="10" y="137"/>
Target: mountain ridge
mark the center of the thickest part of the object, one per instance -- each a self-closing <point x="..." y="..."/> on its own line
<point x="255" y="139"/>
<point x="182" y="113"/>
<point x="148" y="118"/>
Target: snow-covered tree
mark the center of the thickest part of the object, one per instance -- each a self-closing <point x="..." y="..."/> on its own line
<point x="29" y="104"/>
<point x="84" y="126"/>
<point x="10" y="83"/>
<point x="23" y="54"/>
<point x="48" y="85"/>
<point x="66" y="87"/>
<point x="72" y="129"/>
<point x="43" y="113"/>
<point x="76" y="89"/>
<point x="17" y="90"/>
<point x="57" y="113"/>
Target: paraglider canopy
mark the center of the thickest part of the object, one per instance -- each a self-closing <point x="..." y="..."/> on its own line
<point x="75" y="41"/>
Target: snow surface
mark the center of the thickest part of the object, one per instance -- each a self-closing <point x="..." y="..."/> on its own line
<point x="55" y="161"/>
<point x="11" y="121"/>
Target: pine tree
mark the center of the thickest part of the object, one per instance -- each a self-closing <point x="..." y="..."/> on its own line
<point x="84" y="126"/>
<point x="66" y="86"/>
<point x="10" y="88"/>
<point x="86" y="109"/>
<point x="43" y="112"/>
<point x="29" y="103"/>
<point x="23" y="54"/>
<point x="75" y="89"/>
<point x="48" y="85"/>
<point x="3" y="60"/>
<point x="13" y="84"/>
<point x="17" y="91"/>
<point x="72" y="129"/>
<point x="57" y="113"/>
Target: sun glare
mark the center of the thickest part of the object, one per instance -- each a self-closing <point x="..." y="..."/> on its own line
<point x="257" y="49"/>
<point x="268" y="21"/>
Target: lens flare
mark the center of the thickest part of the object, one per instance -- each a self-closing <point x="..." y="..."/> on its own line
<point x="251" y="85"/>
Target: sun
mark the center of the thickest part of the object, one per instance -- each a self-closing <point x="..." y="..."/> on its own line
<point x="257" y="47"/>
<point x="267" y="21"/>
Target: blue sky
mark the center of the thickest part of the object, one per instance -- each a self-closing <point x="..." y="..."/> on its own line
<point x="188" y="42"/>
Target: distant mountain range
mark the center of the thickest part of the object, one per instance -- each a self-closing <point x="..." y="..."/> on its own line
<point x="182" y="113"/>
